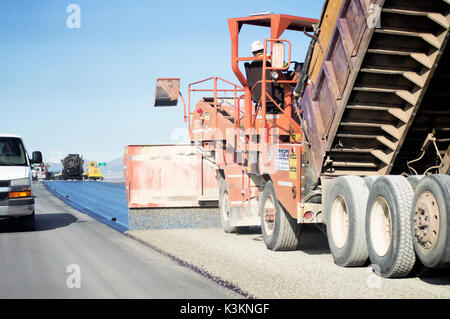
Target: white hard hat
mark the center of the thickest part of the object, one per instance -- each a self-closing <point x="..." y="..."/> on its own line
<point x="257" y="46"/>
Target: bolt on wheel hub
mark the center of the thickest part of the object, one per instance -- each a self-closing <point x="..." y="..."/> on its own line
<point x="269" y="215"/>
<point x="426" y="220"/>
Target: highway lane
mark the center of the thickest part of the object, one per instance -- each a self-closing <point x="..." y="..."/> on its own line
<point x="71" y="255"/>
<point x="107" y="201"/>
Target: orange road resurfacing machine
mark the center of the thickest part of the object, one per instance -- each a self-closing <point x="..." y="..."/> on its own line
<point x="317" y="142"/>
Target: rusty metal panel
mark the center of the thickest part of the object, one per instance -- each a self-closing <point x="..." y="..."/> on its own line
<point x="313" y="127"/>
<point x="168" y="176"/>
<point x="328" y="21"/>
<point x="354" y="18"/>
<point x="325" y="99"/>
<point x="167" y="91"/>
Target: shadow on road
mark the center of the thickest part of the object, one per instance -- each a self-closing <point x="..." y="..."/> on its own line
<point x="43" y="222"/>
<point x="313" y="241"/>
<point x="439" y="277"/>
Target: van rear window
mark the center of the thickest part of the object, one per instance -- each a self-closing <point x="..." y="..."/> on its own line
<point x="12" y="152"/>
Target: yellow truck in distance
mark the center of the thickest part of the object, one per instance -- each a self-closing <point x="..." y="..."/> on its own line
<point x="92" y="172"/>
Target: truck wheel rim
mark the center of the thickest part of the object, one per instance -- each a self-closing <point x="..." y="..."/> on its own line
<point x="426" y="220"/>
<point x="225" y="207"/>
<point x="269" y="215"/>
<point x="380" y="227"/>
<point x="339" y="221"/>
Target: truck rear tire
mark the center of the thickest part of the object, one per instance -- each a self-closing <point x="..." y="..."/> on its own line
<point x="370" y="180"/>
<point x="430" y="221"/>
<point x="280" y="231"/>
<point x="345" y="219"/>
<point x="224" y="208"/>
<point x="414" y="180"/>
<point x="388" y="227"/>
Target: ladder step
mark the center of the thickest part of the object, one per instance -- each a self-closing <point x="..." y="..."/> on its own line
<point x="427" y="37"/>
<point x="434" y="16"/>
<point x="439" y="19"/>
<point x="388" y="128"/>
<point x="400" y="114"/>
<point x="383" y="140"/>
<point x="389" y="52"/>
<point x="367" y="107"/>
<point x="392" y="130"/>
<point x="381" y="156"/>
<point x="355" y="164"/>
<point x="380" y="138"/>
<point x="408" y="96"/>
<point x="422" y="58"/>
<point x="411" y="76"/>
<point x="360" y="136"/>
<point x="382" y="71"/>
<point x="361" y="124"/>
<point x="374" y="90"/>
<point x="395" y="111"/>
<point x="417" y="79"/>
<point x="351" y="150"/>
<point x="341" y="172"/>
<point x="405" y="12"/>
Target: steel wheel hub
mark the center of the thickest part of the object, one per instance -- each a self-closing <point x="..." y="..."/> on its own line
<point x="269" y="215"/>
<point x="339" y="221"/>
<point x="426" y="220"/>
<point x="380" y="227"/>
<point x="225" y="207"/>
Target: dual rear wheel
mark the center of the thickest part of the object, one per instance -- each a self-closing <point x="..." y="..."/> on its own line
<point x="430" y="221"/>
<point x="388" y="220"/>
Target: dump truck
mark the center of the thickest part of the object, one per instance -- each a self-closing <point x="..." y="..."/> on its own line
<point x="355" y="139"/>
<point x="72" y="167"/>
<point x="40" y="171"/>
<point x="92" y="172"/>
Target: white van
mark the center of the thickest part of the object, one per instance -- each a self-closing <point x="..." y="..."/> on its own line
<point x="16" y="192"/>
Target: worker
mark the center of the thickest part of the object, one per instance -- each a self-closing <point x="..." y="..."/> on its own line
<point x="257" y="49"/>
<point x="254" y="74"/>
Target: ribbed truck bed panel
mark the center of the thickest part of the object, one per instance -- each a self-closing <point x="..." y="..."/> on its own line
<point x="374" y="76"/>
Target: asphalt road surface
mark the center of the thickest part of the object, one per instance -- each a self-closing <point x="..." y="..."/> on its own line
<point x="71" y="255"/>
<point x="307" y="273"/>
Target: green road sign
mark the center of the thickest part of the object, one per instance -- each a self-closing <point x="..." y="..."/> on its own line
<point x="102" y="164"/>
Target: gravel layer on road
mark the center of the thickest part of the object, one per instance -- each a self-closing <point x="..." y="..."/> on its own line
<point x="243" y="261"/>
<point x="173" y="218"/>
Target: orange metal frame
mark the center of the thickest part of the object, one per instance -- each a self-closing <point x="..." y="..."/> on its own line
<point x="215" y="90"/>
<point x="282" y="121"/>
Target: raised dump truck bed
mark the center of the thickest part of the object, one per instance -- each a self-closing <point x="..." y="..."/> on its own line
<point x="372" y="82"/>
<point x="378" y="107"/>
<point x="369" y="108"/>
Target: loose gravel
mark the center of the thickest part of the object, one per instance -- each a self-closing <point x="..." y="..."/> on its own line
<point x="173" y="218"/>
<point x="243" y="261"/>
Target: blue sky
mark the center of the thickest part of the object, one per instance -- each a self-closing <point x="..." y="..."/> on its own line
<point x="91" y="90"/>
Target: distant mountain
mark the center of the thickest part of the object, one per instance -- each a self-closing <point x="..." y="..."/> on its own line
<point x="113" y="170"/>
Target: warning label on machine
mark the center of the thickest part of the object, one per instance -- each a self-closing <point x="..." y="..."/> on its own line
<point x="293" y="166"/>
<point x="282" y="159"/>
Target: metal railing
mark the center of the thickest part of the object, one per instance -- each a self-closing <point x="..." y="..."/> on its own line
<point x="236" y="98"/>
